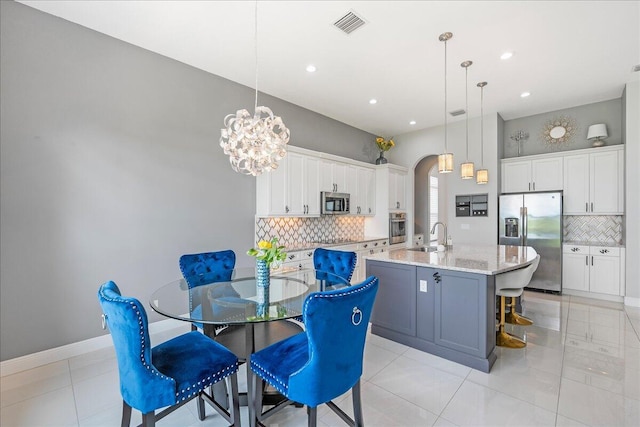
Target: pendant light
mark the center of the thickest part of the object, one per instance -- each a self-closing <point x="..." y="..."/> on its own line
<point x="482" y="175"/>
<point x="466" y="168"/>
<point x="254" y="144"/>
<point x="445" y="160"/>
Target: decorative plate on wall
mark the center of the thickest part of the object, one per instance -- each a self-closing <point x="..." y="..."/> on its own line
<point x="559" y="130"/>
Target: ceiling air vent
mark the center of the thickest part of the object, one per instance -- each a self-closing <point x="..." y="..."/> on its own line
<point x="457" y="112"/>
<point x="349" y="23"/>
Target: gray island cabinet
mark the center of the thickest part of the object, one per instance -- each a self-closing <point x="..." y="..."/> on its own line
<point x="443" y="302"/>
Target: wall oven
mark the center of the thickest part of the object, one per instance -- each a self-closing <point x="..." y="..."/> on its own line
<point x="334" y="203"/>
<point x="397" y="228"/>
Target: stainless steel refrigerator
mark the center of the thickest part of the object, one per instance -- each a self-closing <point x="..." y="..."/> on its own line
<point x="535" y="219"/>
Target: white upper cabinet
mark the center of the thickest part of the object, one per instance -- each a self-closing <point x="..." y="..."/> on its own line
<point x="362" y="190"/>
<point x="593" y="182"/>
<point x="520" y="176"/>
<point x="333" y="176"/>
<point x="292" y="189"/>
<point x="397" y="189"/>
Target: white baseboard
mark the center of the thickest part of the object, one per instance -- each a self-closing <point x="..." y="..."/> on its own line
<point x="57" y="354"/>
<point x="594" y="295"/>
<point x="632" y="301"/>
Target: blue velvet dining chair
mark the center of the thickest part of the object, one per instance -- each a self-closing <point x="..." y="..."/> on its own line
<point x="205" y="268"/>
<point x="340" y="263"/>
<point x="322" y="363"/>
<point x="170" y="374"/>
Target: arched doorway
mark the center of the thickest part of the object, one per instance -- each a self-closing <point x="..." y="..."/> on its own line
<point x="428" y="193"/>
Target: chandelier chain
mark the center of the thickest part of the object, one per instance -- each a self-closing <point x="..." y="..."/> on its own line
<point x="445" y="97"/>
<point x="466" y="106"/>
<point x="482" y="126"/>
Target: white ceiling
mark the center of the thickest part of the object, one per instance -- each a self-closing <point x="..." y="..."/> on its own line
<point x="566" y="53"/>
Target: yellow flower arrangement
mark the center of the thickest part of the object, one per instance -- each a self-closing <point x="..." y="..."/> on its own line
<point x="269" y="251"/>
<point x="385" y="144"/>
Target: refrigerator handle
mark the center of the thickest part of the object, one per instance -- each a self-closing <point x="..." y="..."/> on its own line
<point x="525" y="222"/>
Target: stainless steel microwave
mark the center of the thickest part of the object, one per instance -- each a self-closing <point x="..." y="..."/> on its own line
<point x="334" y="203"/>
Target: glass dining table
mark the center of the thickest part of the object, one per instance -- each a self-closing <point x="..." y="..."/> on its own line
<point x="235" y="312"/>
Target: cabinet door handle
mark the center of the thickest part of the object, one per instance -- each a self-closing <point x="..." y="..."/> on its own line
<point x="529" y="186"/>
<point x="591" y="260"/>
<point x="586" y="206"/>
<point x="586" y="260"/>
<point x="591" y="206"/>
<point x="534" y="186"/>
<point x="369" y="210"/>
<point x="286" y="209"/>
<point x="604" y="251"/>
<point x="575" y="249"/>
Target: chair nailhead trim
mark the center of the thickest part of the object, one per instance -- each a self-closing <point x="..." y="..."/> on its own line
<point x="211" y="379"/>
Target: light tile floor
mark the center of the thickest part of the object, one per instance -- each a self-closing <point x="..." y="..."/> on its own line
<point x="581" y="366"/>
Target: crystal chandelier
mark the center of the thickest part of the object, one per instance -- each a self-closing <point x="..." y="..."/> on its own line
<point x="482" y="175"/>
<point x="445" y="160"/>
<point x="466" y="168"/>
<point x="254" y="144"/>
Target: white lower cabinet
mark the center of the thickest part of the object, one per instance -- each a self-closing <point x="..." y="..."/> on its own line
<point x="367" y="248"/>
<point x="297" y="260"/>
<point x="594" y="269"/>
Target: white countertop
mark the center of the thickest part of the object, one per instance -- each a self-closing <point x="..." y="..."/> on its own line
<point x="483" y="259"/>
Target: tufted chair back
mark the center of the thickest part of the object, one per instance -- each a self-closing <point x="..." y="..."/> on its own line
<point x="335" y="359"/>
<point x="207" y="267"/>
<point x="340" y="263"/>
<point x="127" y="321"/>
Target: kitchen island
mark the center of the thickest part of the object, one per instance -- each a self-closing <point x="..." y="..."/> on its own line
<point x="443" y="302"/>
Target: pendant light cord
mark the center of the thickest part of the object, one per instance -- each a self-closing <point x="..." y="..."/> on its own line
<point x="482" y="126"/>
<point x="255" y="40"/>
<point x="445" y="97"/>
<point x="466" y="105"/>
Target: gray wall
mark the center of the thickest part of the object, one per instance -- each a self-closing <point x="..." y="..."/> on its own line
<point x="412" y="147"/>
<point x="632" y="191"/>
<point x="608" y="112"/>
<point x="111" y="169"/>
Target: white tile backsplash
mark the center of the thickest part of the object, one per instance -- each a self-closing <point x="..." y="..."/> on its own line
<point x="296" y="230"/>
<point x="593" y="228"/>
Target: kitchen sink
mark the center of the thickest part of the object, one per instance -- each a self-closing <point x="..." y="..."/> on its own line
<point x="424" y="249"/>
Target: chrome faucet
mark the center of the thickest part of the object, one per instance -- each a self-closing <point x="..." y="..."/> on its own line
<point x="433" y="229"/>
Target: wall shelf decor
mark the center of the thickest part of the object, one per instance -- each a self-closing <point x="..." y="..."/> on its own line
<point x="559" y="130"/>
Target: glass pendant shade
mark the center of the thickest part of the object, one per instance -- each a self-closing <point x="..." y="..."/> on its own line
<point x="482" y="176"/>
<point x="466" y="170"/>
<point x="445" y="163"/>
<point x="254" y="144"/>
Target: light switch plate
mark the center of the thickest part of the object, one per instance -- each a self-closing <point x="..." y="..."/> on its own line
<point x="423" y="286"/>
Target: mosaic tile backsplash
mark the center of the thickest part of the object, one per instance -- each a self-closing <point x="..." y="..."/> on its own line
<point x="292" y="231"/>
<point x="593" y="229"/>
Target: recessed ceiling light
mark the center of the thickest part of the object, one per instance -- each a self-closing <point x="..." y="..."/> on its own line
<point x="506" y="55"/>
<point x="311" y="68"/>
<point x="373" y="101"/>
<point x="412" y="122"/>
<point x="524" y="94"/>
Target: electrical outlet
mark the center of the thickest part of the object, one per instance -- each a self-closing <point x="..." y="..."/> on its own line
<point x="423" y="286"/>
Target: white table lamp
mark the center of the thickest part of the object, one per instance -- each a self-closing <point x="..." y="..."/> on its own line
<point x="597" y="133"/>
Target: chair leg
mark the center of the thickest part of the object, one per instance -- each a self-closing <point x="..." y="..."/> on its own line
<point x="255" y="398"/>
<point x="357" y="405"/>
<point x="126" y="414"/>
<point x="312" y="416"/>
<point x="235" y="400"/>
<point x="200" y="407"/>
<point x="149" y="419"/>
<point x="503" y="339"/>
<point x="514" y="318"/>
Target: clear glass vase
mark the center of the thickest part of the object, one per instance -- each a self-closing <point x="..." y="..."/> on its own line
<point x="381" y="160"/>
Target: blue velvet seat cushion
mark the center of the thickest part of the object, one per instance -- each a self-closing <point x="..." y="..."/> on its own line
<point x="276" y="363"/>
<point x="194" y="361"/>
